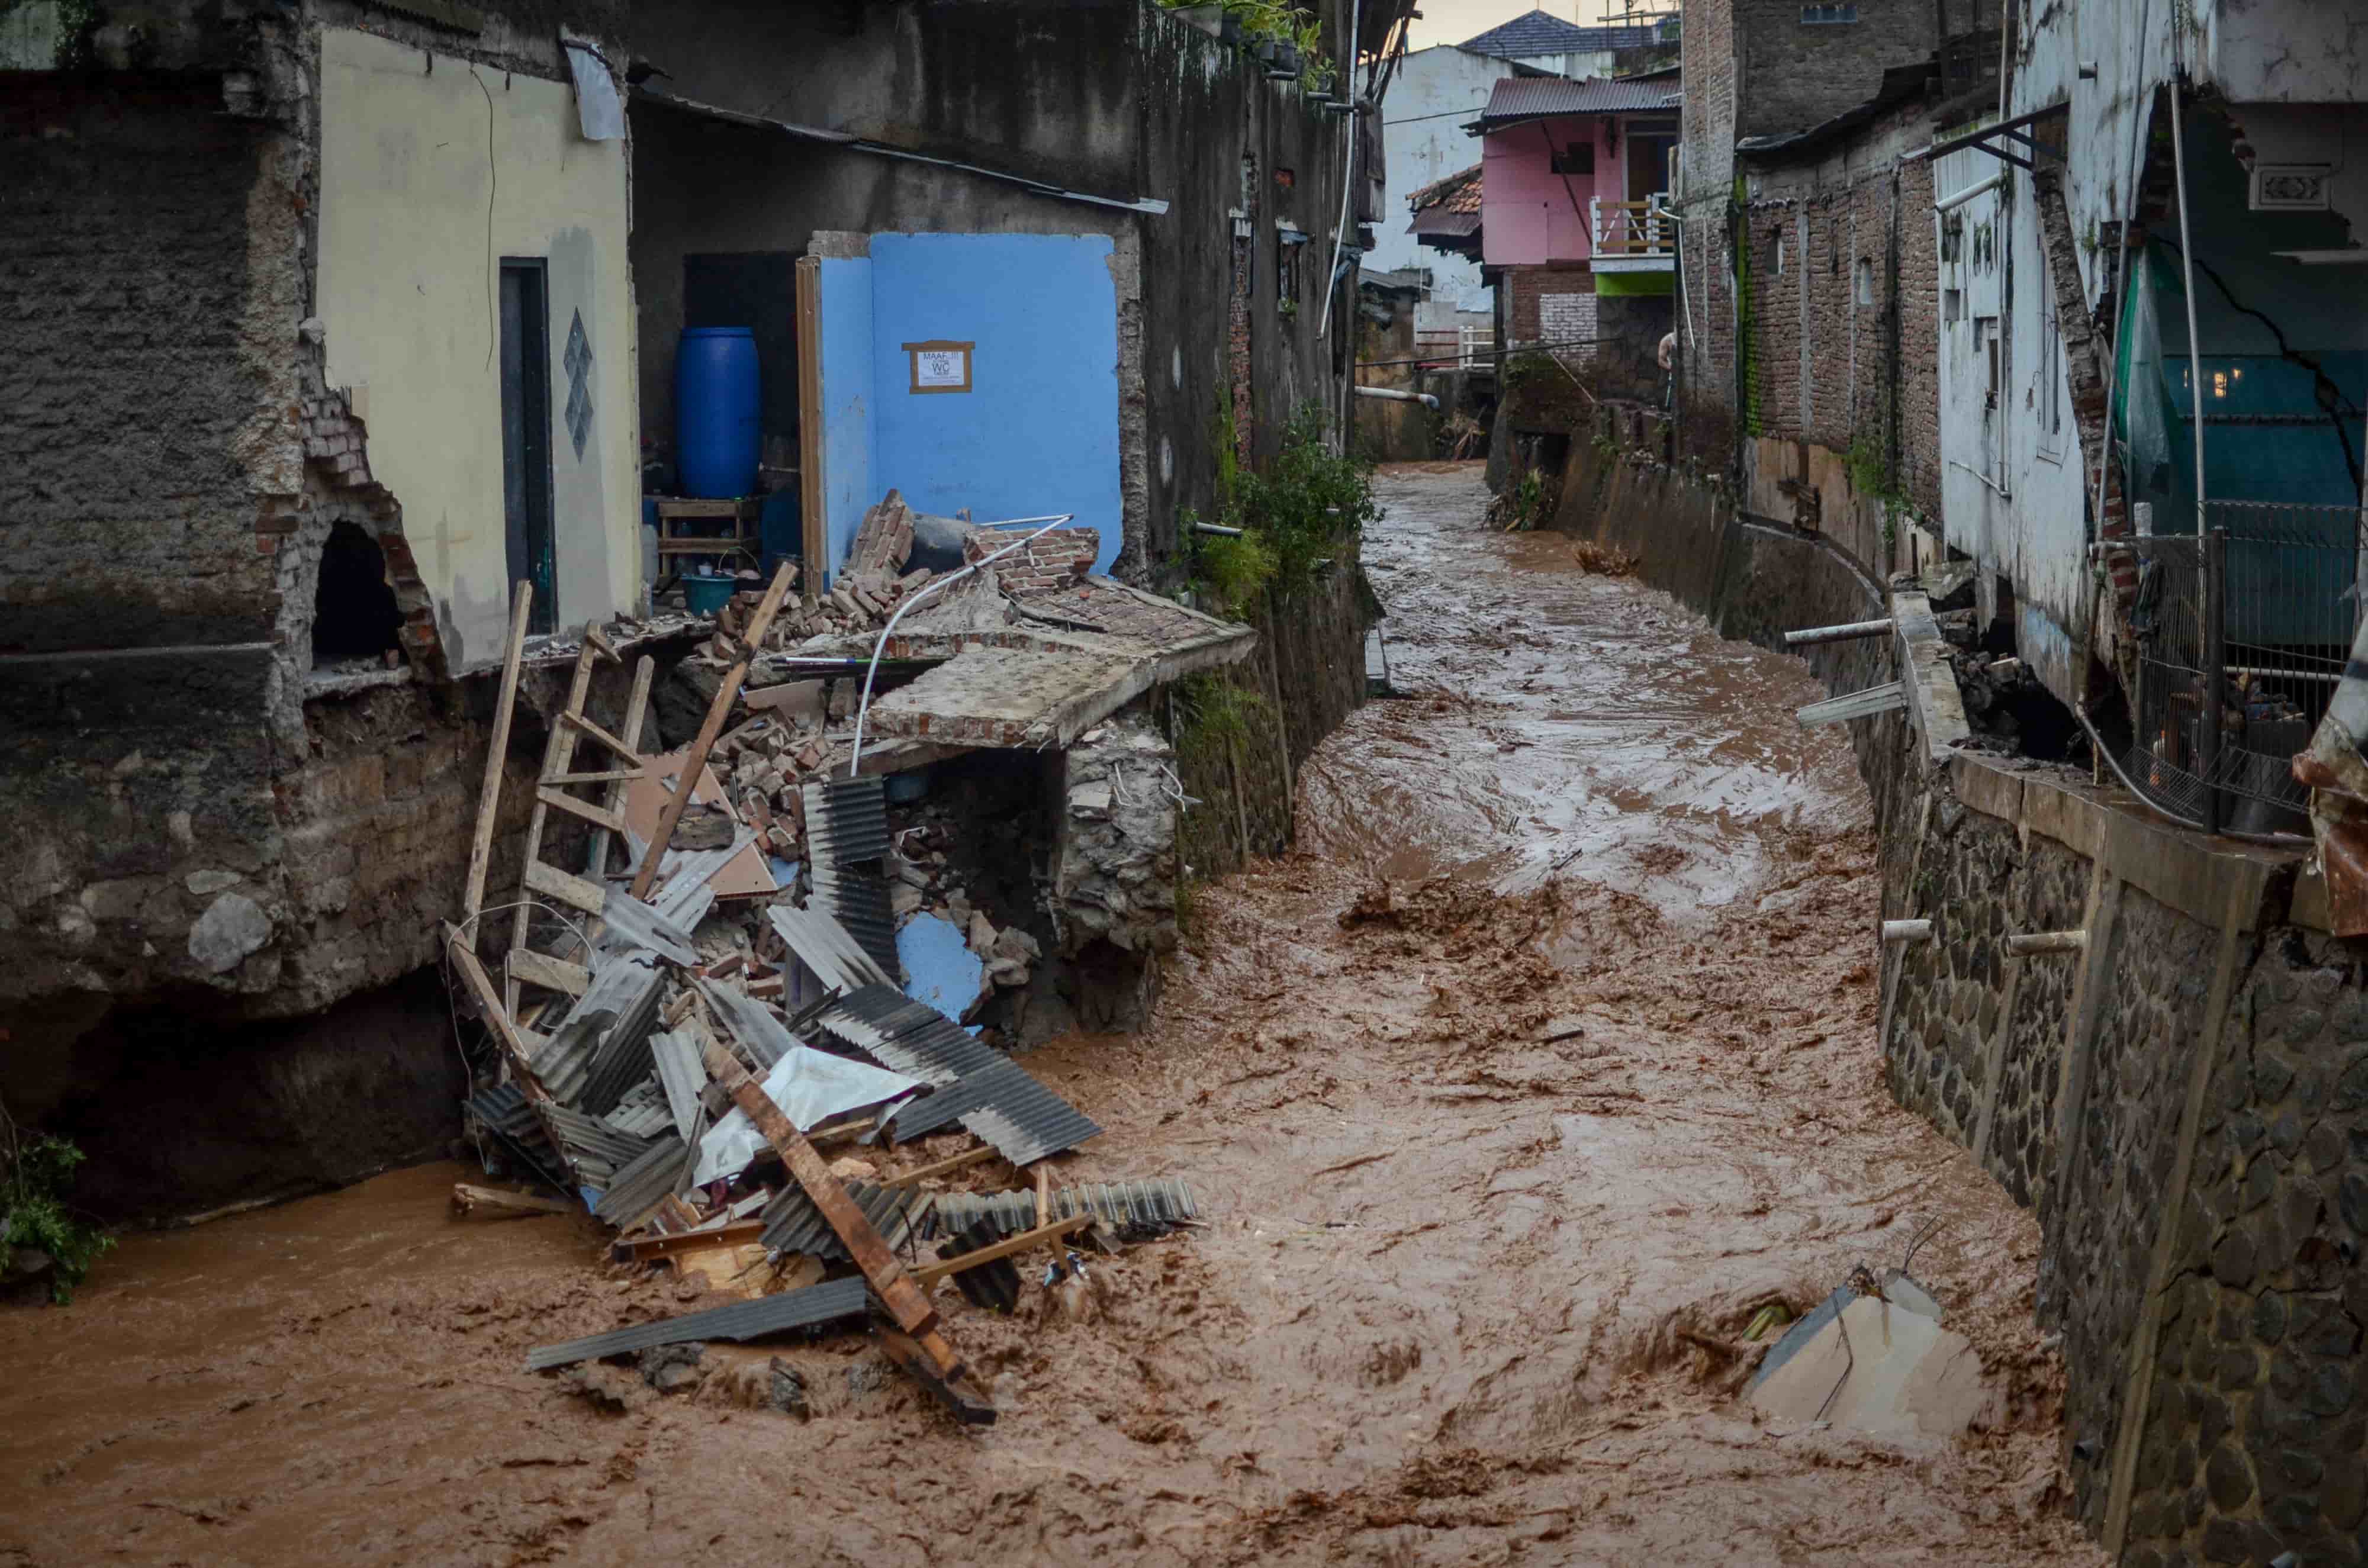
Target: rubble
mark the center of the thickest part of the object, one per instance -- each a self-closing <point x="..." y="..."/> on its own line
<point x="722" y="1033"/>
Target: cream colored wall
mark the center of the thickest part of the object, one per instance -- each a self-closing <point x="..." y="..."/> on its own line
<point x="409" y="276"/>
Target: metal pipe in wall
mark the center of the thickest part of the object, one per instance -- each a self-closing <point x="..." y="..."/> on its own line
<point x="1393" y="395"/>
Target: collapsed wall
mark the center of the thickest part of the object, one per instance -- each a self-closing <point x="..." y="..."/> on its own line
<point x="2183" y="1102"/>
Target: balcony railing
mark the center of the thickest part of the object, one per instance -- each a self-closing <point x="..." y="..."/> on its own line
<point x="1633" y="229"/>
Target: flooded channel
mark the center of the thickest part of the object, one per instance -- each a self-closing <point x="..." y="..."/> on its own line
<point x="1468" y="1293"/>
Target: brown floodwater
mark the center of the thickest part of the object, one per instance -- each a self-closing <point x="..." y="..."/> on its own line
<point x="1464" y="1295"/>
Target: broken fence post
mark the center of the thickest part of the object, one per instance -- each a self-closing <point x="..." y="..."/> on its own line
<point x="1906" y="931"/>
<point x="2023" y="944"/>
<point x="1809" y="636"/>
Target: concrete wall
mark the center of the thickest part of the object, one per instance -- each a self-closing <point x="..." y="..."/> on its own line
<point x="1434" y="95"/>
<point x="1530" y="214"/>
<point x="1037" y="434"/>
<point x="416" y="219"/>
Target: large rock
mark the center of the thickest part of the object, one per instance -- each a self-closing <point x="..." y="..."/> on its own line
<point x="233" y="926"/>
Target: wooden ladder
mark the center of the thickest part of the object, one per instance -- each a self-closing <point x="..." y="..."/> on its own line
<point x="604" y="809"/>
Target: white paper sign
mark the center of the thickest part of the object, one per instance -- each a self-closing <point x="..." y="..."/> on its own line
<point x="940" y="368"/>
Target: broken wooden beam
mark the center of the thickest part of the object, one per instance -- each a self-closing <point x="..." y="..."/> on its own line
<point x="943" y="1167"/>
<point x="695" y="759"/>
<point x="499" y="1204"/>
<point x="929" y="1274"/>
<point x="947" y="1375"/>
<point x="489" y="793"/>
<point x="650" y="1248"/>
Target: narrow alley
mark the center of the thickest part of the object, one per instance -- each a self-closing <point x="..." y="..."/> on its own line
<point x="1513" y="1097"/>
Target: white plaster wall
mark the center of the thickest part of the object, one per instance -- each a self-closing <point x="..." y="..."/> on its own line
<point x="1436" y="92"/>
<point x="430" y="177"/>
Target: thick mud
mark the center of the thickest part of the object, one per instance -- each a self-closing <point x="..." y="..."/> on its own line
<point x="1465" y="1296"/>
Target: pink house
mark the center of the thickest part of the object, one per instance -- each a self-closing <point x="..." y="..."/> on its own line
<point x="1575" y="177"/>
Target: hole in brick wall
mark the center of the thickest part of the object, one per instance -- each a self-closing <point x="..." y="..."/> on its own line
<point x="354" y="612"/>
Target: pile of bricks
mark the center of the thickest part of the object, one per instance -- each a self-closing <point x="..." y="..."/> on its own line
<point x="1061" y="559"/>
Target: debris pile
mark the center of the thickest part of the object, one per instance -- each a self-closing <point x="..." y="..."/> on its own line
<point x="714" y="1036"/>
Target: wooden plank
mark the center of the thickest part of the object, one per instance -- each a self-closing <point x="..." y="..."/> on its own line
<point x="598" y="816"/>
<point x="557" y="753"/>
<point x="718" y="711"/>
<point x="489" y="793"/>
<point x="497" y="1204"/>
<point x="904" y="1300"/>
<point x="612" y="776"/>
<point x="568" y="888"/>
<point x="813" y="525"/>
<point x="1856" y="705"/>
<point x="580" y="725"/>
<point x="497" y="1017"/>
<point x="934" y="1272"/>
<point x="645" y="1249"/>
<point x="966" y="1158"/>
<point x="550" y="973"/>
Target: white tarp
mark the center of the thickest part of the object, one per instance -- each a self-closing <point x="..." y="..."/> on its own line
<point x="599" y="108"/>
<point x="811" y="1086"/>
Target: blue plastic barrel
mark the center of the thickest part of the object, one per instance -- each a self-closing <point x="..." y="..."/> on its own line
<point x="715" y="392"/>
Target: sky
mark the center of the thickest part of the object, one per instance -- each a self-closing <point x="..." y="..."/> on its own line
<point x="1452" y="21"/>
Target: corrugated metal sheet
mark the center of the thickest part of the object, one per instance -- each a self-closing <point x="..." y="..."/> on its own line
<point x="792" y="1224"/>
<point x="594" y="1151"/>
<point x="990" y="1094"/>
<point x="823" y="945"/>
<point x="830" y="1302"/>
<point x="751" y="1023"/>
<point x="642" y="1111"/>
<point x="1535" y="98"/>
<point x="620" y="988"/>
<point x="503" y="1112"/>
<point x="634" y="924"/>
<point x="856" y="897"/>
<point x="1132" y="1211"/>
<point x="623" y="1058"/>
<point x="637" y="1187"/>
<point x="682" y="1074"/>
<point x="847" y="818"/>
<point x="1007" y="1107"/>
<point x="1538" y="32"/>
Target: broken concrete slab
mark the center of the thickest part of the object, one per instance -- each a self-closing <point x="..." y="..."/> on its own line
<point x="1875" y="1367"/>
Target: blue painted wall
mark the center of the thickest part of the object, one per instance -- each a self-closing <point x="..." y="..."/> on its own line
<point x="847" y="404"/>
<point x="1038" y="432"/>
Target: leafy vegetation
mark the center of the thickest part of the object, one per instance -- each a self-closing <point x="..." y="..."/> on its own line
<point x="34" y="1172"/>
<point x="1297" y="511"/>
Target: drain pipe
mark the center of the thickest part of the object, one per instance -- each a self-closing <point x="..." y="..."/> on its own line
<point x="1427" y="399"/>
<point x="871" y="672"/>
<point x="1348" y="171"/>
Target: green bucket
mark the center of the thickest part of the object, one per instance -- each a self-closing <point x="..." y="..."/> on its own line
<point x="704" y="594"/>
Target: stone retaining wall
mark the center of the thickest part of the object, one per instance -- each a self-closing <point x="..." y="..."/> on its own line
<point x="2185" y="1103"/>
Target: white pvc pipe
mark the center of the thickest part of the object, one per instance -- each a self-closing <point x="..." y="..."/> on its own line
<point x="864" y="709"/>
<point x="2024" y="944"/>
<point x="1393" y="395"/>
<point x="1906" y="931"/>
<point x="1951" y="203"/>
<point x="1348" y="172"/>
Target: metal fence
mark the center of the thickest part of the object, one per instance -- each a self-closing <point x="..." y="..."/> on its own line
<point x="2242" y="634"/>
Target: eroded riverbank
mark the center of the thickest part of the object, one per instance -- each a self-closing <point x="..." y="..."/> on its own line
<point x="1465" y="1297"/>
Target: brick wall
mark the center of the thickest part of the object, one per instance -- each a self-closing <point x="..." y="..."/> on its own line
<point x="1529" y="287"/>
<point x="1055" y="559"/>
<point x="1796" y="73"/>
<point x="1706" y="292"/>
<point x="127" y="508"/>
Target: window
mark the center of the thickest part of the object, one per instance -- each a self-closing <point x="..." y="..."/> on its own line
<point x="2051" y="382"/>
<point x="1862" y="282"/>
<point x="1828" y="16"/>
<point x="1953" y="304"/>
<point x="1286" y="270"/>
<point x="526" y="435"/>
<point x="1780" y="254"/>
<point x="1577" y="158"/>
<point x="1987" y="329"/>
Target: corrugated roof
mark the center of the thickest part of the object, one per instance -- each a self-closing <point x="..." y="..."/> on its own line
<point x="1538" y="33"/>
<point x="1459" y="192"/>
<point x="813" y="1307"/>
<point x="1517" y="98"/>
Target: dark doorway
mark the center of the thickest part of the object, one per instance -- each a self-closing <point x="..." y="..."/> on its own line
<point x="757" y="289"/>
<point x="354" y="611"/>
<point x="526" y="435"/>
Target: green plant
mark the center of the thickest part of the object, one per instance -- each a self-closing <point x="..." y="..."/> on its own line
<point x="1213" y="712"/>
<point x="39" y="1169"/>
<point x="1233" y="570"/>
<point x="1289" y="308"/>
<point x="1526" y="501"/>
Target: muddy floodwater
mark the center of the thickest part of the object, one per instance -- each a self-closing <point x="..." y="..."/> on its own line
<point x="1464" y="1296"/>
